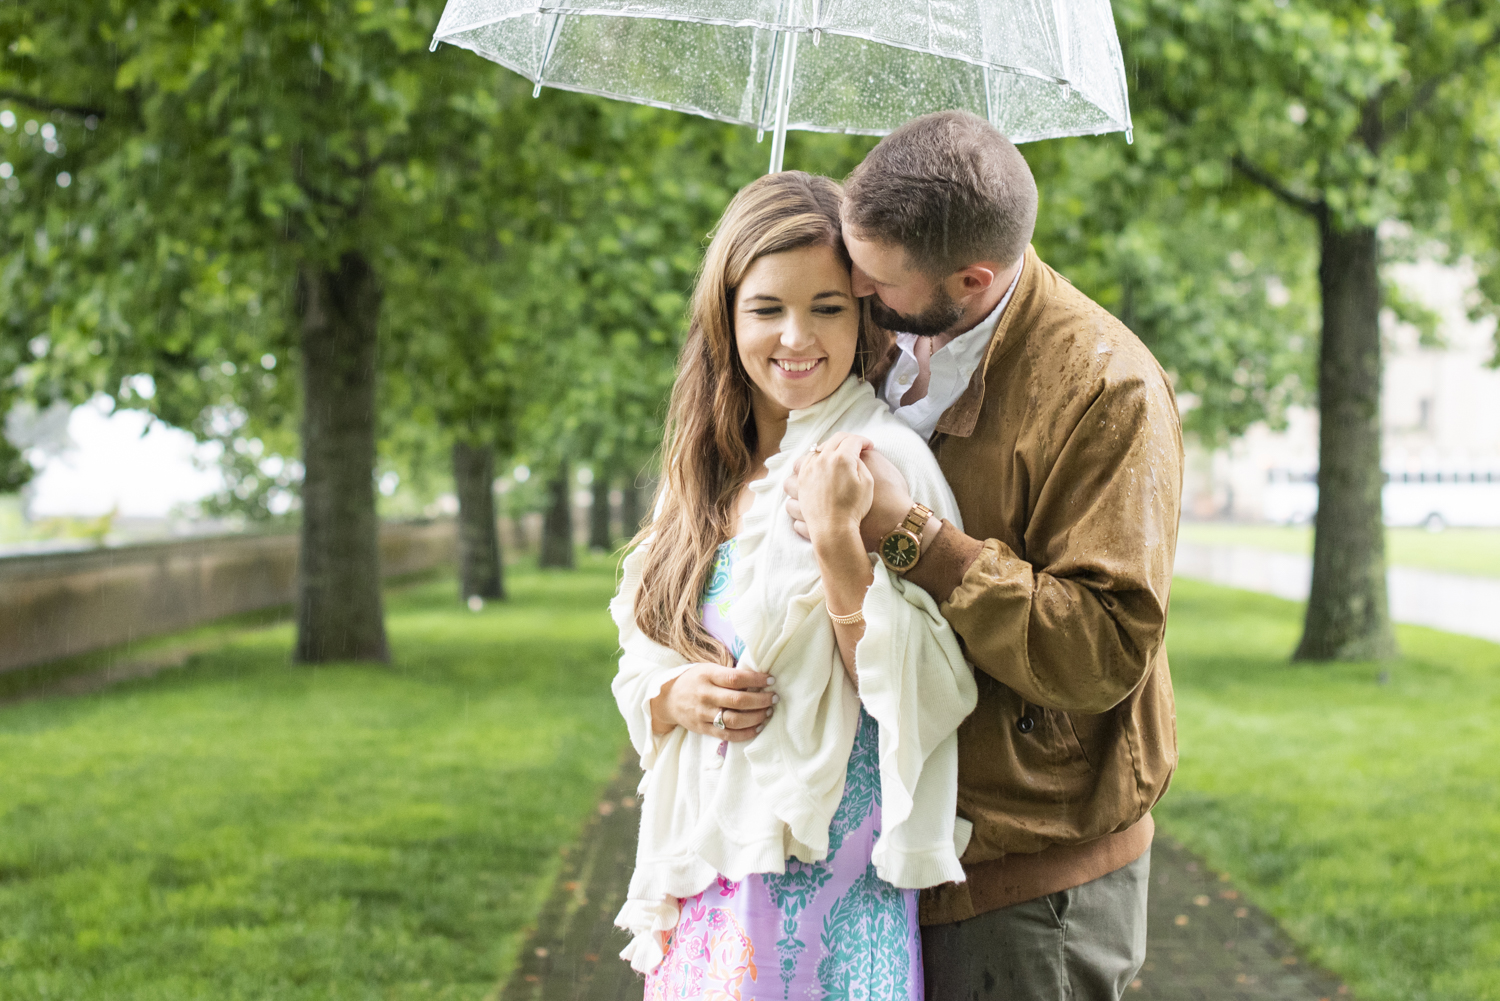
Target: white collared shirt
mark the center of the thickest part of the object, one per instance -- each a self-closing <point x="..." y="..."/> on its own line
<point x="952" y="366"/>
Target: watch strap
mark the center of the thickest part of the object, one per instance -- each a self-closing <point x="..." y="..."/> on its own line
<point x="917" y="518"/>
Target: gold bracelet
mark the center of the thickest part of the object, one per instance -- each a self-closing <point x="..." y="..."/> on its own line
<point x="852" y="619"/>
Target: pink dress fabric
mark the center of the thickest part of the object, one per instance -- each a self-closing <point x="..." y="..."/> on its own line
<point x="831" y="929"/>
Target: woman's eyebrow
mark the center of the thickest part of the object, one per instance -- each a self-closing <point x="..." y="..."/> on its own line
<point x="768" y="298"/>
<point x="831" y="295"/>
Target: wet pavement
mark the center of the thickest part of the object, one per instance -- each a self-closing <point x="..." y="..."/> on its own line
<point x="1206" y="941"/>
<point x="1457" y="603"/>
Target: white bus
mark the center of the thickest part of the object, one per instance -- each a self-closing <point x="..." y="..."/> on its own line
<point x="1432" y="498"/>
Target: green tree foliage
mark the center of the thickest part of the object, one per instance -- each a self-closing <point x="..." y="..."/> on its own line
<point x="1218" y="286"/>
<point x="15" y="471"/>
<point x="244" y="180"/>
<point x="1366" y="122"/>
<point x="198" y="191"/>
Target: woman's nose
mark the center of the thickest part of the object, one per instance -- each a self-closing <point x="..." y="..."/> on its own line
<point x="797" y="333"/>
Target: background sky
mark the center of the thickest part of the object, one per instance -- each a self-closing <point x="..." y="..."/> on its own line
<point x="122" y="461"/>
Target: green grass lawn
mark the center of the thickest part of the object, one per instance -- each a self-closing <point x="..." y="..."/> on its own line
<point x="243" y="828"/>
<point x="1365" y="816"/>
<point x="1455" y="550"/>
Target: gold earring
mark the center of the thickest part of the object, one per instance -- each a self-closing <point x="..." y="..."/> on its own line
<point x="860" y="353"/>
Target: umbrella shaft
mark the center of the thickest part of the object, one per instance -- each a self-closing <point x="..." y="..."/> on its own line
<point x="783" y="99"/>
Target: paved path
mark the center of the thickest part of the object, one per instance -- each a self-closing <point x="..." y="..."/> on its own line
<point x="1207" y="943"/>
<point x="1457" y="603"/>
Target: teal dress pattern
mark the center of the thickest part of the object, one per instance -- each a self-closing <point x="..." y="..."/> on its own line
<point x="821" y="930"/>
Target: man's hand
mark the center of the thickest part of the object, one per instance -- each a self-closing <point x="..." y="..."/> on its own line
<point x="693" y="698"/>
<point x="890" y="499"/>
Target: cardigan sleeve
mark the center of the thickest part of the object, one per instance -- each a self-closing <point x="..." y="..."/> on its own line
<point x="915" y="682"/>
<point x="645" y="665"/>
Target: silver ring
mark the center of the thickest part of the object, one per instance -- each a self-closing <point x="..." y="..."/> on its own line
<point x="719" y="720"/>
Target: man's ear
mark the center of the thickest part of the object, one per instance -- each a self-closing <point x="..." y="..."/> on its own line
<point x="974" y="279"/>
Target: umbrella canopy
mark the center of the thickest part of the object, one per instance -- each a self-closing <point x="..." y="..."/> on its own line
<point x="1037" y="69"/>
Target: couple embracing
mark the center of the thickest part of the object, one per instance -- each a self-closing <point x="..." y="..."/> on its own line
<point x="893" y="640"/>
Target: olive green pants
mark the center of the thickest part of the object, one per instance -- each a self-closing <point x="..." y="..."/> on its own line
<point x="1083" y="944"/>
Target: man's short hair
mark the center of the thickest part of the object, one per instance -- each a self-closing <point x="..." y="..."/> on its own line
<point x="949" y="188"/>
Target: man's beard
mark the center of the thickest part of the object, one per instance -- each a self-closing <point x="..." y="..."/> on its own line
<point x="937" y="318"/>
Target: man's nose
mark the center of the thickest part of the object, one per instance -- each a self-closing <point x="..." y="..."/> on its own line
<point x="860" y="282"/>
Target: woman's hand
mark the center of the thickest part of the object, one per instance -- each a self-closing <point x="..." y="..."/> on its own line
<point x="834" y="489"/>
<point x="694" y="698"/>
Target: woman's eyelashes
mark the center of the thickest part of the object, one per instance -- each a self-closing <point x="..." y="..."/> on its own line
<point x="766" y="312"/>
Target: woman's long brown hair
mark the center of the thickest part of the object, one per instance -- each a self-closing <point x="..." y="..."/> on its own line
<point x="709" y="443"/>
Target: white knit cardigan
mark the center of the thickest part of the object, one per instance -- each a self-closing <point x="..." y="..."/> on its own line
<point x="773" y="797"/>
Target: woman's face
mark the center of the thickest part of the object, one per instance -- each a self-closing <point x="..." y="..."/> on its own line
<point x="796" y="326"/>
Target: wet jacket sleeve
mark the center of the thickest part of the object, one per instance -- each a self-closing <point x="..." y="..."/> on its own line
<point x="1074" y="627"/>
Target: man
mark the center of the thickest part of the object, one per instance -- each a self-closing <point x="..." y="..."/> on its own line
<point x="1060" y="436"/>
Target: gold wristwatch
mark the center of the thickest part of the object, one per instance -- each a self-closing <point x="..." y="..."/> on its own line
<point x="901" y="549"/>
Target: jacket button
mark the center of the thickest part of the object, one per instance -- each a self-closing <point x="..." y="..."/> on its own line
<point x="1025" y="724"/>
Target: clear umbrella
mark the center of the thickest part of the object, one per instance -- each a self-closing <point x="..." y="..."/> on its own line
<point x="1037" y="69"/>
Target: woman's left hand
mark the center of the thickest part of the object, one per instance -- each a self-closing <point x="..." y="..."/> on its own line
<point x="834" y="488"/>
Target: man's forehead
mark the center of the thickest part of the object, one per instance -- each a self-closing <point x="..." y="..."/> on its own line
<point x="889" y="255"/>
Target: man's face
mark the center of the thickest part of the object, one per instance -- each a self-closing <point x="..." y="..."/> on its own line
<point x="906" y="299"/>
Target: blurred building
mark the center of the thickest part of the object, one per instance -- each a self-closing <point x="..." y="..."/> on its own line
<point x="1441" y="415"/>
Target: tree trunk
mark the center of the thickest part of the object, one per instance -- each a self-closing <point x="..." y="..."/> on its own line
<point x="481" y="572"/>
<point x="630" y="508"/>
<point x="557" y="527"/>
<point x="600" y="536"/>
<point x="339" y="610"/>
<point x="1348" y="617"/>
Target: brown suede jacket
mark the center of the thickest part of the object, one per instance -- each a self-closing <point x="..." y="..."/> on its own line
<point x="1065" y="454"/>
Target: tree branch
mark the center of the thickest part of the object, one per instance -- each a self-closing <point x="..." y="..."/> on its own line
<point x="1314" y="207"/>
<point x="1159" y="98"/>
<point x="1429" y="87"/>
<point x="41" y="103"/>
<point x="1372" y="127"/>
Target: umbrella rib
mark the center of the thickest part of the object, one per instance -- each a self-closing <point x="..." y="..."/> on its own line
<point x="765" y="98"/>
<point x="557" y="20"/>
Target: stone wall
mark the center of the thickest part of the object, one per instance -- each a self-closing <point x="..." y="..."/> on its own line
<point x="57" y="605"/>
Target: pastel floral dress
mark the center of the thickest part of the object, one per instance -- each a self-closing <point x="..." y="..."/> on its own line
<point x="830" y="929"/>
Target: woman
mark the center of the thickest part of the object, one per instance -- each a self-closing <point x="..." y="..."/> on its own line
<point x="794" y="707"/>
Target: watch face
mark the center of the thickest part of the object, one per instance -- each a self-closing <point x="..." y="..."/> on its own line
<point x="899" y="550"/>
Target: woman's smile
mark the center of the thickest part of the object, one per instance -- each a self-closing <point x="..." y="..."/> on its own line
<point x="797" y="368"/>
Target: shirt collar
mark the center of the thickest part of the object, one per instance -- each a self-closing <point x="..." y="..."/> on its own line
<point x="1033" y="288"/>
